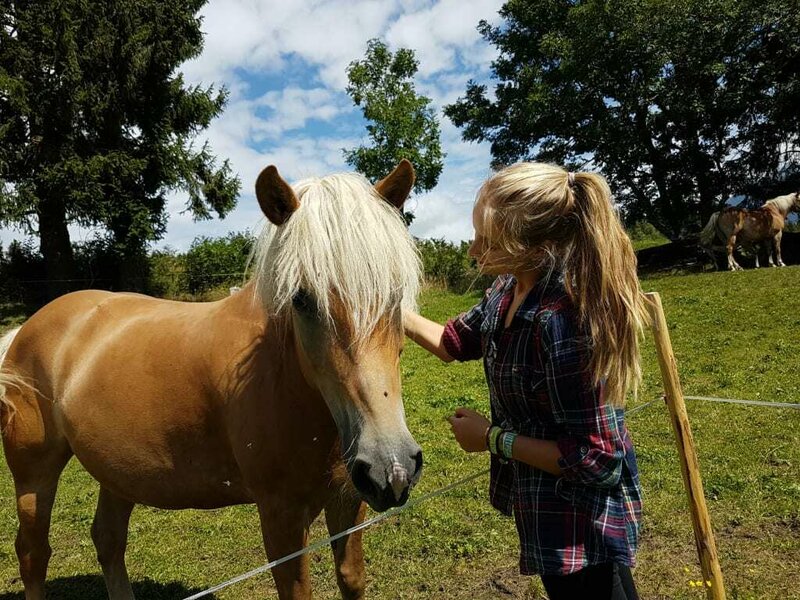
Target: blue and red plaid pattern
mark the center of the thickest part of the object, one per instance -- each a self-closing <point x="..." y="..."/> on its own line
<point x="540" y="387"/>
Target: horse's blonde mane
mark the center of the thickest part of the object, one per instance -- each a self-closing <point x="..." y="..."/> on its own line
<point x="783" y="203"/>
<point x="344" y="239"/>
<point x="7" y="378"/>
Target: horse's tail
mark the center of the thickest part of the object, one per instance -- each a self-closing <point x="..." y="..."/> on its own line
<point x="709" y="231"/>
<point x="7" y="378"/>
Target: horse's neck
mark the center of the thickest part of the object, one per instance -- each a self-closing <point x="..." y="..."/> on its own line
<point x="780" y="207"/>
<point x="267" y="344"/>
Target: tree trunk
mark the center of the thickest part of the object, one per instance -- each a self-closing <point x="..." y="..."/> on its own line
<point x="56" y="248"/>
<point x="664" y="202"/>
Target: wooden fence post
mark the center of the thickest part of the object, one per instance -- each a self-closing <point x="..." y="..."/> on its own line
<point x="701" y="523"/>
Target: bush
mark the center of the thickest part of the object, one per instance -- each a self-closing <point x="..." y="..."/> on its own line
<point x="644" y="235"/>
<point x="212" y="262"/>
<point x="22" y="272"/>
<point x="449" y="265"/>
<point x="96" y="264"/>
<point x="168" y="278"/>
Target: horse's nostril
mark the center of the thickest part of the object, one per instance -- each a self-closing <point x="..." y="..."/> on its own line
<point x="361" y="478"/>
<point x="417" y="462"/>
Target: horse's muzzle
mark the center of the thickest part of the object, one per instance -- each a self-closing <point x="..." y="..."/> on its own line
<point x="384" y="488"/>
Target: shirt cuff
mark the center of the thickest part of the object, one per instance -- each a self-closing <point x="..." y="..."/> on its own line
<point x="573" y="455"/>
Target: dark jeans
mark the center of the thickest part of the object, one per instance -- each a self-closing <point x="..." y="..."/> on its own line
<point x="609" y="581"/>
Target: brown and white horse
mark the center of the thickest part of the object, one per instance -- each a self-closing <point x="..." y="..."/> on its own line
<point x="732" y="226"/>
<point x="285" y="394"/>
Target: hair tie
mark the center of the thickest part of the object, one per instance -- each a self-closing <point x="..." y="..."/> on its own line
<point x="571" y="179"/>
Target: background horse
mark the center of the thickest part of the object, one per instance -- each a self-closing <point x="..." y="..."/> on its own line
<point x="271" y="396"/>
<point x="732" y="226"/>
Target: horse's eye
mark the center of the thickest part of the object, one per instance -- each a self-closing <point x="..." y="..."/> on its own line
<point x="303" y="302"/>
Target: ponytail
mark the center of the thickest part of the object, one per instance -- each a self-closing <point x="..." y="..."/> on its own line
<point x="600" y="277"/>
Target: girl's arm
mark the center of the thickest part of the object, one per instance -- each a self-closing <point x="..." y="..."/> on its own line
<point x="469" y="428"/>
<point x="542" y="454"/>
<point x="426" y="333"/>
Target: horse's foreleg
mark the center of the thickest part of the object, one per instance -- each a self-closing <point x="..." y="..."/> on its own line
<point x="284" y="527"/>
<point x="342" y="512"/>
<point x="776" y="244"/>
<point x="730" y="246"/>
<point x="35" y="483"/>
<point x="110" y="536"/>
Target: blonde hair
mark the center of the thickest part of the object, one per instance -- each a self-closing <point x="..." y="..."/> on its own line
<point x="342" y="239"/>
<point x="8" y="379"/>
<point x="540" y="217"/>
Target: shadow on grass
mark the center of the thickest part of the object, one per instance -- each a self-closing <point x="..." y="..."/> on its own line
<point x="91" y="587"/>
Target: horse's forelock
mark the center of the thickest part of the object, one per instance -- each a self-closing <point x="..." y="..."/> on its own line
<point x="344" y="241"/>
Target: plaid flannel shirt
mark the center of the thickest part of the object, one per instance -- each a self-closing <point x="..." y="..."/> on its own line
<point x="540" y="387"/>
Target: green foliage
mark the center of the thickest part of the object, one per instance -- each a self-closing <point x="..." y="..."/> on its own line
<point x="167" y="277"/>
<point x="644" y="235"/>
<point x="680" y="104"/>
<point x="97" y="126"/>
<point x="448" y="265"/>
<point x="21" y="261"/>
<point x="211" y="262"/>
<point x="400" y="123"/>
<point x="96" y="265"/>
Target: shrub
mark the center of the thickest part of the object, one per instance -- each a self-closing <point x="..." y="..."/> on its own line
<point x="644" y="235"/>
<point x="449" y="265"/>
<point x="22" y="272"/>
<point x="211" y="262"/>
<point x="168" y="278"/>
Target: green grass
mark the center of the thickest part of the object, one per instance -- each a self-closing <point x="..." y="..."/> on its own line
<point x="643" y="236"/>
<point x="735" y="335"/>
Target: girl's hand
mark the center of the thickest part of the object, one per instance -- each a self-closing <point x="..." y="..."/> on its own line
<point x="469" y="428"/>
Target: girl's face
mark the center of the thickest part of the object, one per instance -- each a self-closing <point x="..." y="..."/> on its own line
<point x="491" y="261"/>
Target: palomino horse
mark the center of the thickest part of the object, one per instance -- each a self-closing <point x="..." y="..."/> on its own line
<point x="732" y="226"/>
<point x="271" y="396"/>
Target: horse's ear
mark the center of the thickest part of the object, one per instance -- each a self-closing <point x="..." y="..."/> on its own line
<point x="396" y="186"/>
<point x="275" y="197"/>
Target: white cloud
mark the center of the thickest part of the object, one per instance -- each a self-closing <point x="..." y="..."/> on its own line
<point x="442" y="31"/>
<point x="258" y="36"/>
<point x="292" y="108"/>
<point x="446" y="212"/>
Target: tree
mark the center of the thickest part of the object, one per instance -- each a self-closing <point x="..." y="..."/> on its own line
<point x="401" y="124"/>
<point x="96" y="126"/>
<point x="680" y="103"/>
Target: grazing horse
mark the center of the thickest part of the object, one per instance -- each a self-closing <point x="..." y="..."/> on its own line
<point x="732" y="226"/>
<point x="285" y="394"/>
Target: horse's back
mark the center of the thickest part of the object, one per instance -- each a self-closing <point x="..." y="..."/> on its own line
<point x="77" y="331"/>
<point x="126" y="378"/>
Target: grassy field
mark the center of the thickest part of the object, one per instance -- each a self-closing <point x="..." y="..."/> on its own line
<point x="735" y="335"/>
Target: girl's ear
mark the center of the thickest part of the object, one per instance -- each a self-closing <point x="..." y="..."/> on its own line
<point x="396" y="186"/>
<point x="275" y="197"/>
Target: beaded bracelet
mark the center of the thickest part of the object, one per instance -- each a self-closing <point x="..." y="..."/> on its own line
<point x="507" y="444"/>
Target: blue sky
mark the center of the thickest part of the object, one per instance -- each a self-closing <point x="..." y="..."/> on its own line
<point x="284" y="65"/>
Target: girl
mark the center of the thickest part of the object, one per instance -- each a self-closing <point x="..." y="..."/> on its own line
<point x="558" y="333"/>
